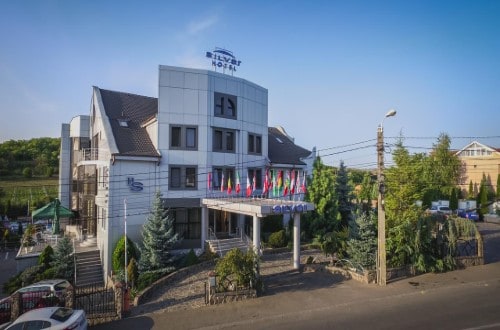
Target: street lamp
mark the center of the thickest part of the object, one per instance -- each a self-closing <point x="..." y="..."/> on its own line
<point x="381" y="257"/>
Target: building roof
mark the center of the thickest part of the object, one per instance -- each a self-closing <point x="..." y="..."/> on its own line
<point x="475" y="145"/>
<point x="126" y="113"/>
<point x="282" y="148"/>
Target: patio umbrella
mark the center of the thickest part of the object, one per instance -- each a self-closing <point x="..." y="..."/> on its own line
<point x="54" y="210"/>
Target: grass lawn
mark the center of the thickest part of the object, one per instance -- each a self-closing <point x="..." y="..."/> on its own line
<point x="36" y="191"/>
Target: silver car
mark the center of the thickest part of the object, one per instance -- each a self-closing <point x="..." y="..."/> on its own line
<point x="55" y="318"/>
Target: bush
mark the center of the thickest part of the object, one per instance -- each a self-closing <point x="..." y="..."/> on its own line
<point x="132" y="272"/>
<point x="277" y="239"/>
<point x="27" y="172"/>
<point x="190" y="259"/>
<point x="237" y="269"/>
<point x="28" y="276"/>
<point x="119" y="253"/>
<point x="46" y="257"/>
<point x="12" y="284"/>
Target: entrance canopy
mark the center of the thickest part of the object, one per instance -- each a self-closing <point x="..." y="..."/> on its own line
<point x="259" y="207"/>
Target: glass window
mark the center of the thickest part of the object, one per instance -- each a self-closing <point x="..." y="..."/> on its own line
<point x="217" y="140"/>
<point x="230" y="141"/>
<point x="225" y="105"/>
<point x="258" y="144"/>
<point x="190" y="177"/>
<point x="175" y="177"/>
<point x="191" y="137"/>
<point x="175" y="137"/>
<point x="251" y="144"/>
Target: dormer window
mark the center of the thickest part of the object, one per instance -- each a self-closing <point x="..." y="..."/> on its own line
<point x="123" y="122"/>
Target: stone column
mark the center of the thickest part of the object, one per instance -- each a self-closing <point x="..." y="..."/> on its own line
<point x="256" y="234"/>
<point x="296" y="241"/>
<point x="16" y="305"/>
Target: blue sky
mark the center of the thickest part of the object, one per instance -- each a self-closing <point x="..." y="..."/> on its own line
<point x="332" y="68"/>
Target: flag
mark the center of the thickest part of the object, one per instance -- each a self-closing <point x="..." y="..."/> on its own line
<point x="229" y="186"/>
<point x="297" y="183"/>
<point x="287" y="183"/>
<point x="222" y="182"/>
<point x="275" y="186"/>
<point x="265" y="189"/>
<point x="280" y="181"/>
<point x="238" y="186"/>
<point x="249" y="187"/>
<point x="209" y="182"/>
<point x="292" y="184"/>
<point x="303" y="187"/>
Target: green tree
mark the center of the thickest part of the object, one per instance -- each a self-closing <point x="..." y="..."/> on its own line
<point x="470" y="194"/>
<point x="119" y="253"/>
<point x="158" y="238"/>
<point x="483" y="198"/>
<point x="498" y="187"/>
<point x="454" y="199"/>
<point x="63" y="262"/>
<point x="237" y="269"/>
<point x="362" y="247"/>
<point x="366" y="192"/>
<point x="343" y="192"/>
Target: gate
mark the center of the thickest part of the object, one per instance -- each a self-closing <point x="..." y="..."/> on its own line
<point x="96" y="300"/>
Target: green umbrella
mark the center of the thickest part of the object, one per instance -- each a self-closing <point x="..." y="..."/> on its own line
<point x="53" y="210"/>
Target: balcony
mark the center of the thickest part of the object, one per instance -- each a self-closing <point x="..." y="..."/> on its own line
<point x="92" y="154"/>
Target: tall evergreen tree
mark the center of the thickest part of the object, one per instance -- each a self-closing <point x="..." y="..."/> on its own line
<point x="454" y="199"/>
<point x="158" y="238"/>
<point x="498" y="187"/>
<point x="470" y="193"/>
<point x="63" y="260"/>
<point x="344" y="195"/>
<point x="362" y="247"/>
<point x="483" y="197"/>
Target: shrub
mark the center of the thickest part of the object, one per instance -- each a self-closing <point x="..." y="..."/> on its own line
<point x="190" y="259"/>
<point x="237" y="269"/>
<point x="28" y="276"/>
<point x="12" y="284"/>
<point x="277" y="239"/>
<point x="46" y="257"/>
<point x="27" y="172"/>
<point x="132" y="272"/>
<point x="119" y="253"/>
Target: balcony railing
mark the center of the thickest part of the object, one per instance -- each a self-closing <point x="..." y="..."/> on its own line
<point x="93" y="154"/>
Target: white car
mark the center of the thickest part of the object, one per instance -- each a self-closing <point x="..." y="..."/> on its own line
<point x="55" y="318"/>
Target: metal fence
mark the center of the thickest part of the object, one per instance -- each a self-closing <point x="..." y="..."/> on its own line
<point x="96" y="300"/>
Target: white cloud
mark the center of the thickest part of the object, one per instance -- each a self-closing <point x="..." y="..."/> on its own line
<point x="199" y="26"/>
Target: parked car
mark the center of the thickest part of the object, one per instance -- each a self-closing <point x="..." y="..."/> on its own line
<point x="55" y="318"/>
<point x="41" y="294"/>
<point x="440" y="209"/>
<point x="468" y="214"/>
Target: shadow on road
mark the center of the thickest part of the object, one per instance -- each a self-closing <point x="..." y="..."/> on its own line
<point x="136" y="323"/>
<point x="291" y="281"/>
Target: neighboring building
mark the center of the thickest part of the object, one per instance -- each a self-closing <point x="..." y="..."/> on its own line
<point x="478" y="160"/>
<point x="204" y="129"/>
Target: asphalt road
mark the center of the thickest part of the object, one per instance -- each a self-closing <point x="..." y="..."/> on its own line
<point x="463" y="299"/>
<point x="7" y="267"/>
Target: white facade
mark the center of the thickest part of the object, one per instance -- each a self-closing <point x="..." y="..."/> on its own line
<point x="226" y="115"/>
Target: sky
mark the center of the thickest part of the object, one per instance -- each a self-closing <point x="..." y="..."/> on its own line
<point x="333" y="69"/>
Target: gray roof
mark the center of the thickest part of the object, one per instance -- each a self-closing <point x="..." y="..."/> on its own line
<point x="282" y="150"/>
<point x="132" y="140"/>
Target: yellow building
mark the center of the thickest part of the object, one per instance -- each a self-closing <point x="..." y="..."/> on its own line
<point x="479" y="159"/>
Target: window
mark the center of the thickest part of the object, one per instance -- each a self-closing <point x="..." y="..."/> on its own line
<point x="187" y="222"/>
<point x="183" y="177"/>
<point x="254" y="144"/>
<point x="225" y="105"/>
<point x="257" y="174"/>
<point x="183" y="137"/>
<point x="223" y="140"/>
<point x="217" y="177"/>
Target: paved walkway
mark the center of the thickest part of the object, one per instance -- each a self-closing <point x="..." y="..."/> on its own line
<point x="190" y="291"/>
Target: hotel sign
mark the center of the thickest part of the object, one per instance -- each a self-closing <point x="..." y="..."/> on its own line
<point x="280" y="209"/>
<point x="223" y="59"/>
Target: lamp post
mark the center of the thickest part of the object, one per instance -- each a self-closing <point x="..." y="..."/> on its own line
<point x="381" y="257"/>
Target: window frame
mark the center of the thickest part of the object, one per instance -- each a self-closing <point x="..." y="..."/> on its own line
<point x="258" y="176"/>
<point x="183" y="177"/>
<point x="229" y="172"/>
<point x="183" y="138"/>
<point x="225" y="105"/>
<point x="223" y="146"/>
<point x="254" y="144"/>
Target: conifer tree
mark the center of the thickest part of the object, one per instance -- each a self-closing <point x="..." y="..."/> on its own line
<point x="470" y="194"/>
<point x="158" y="238"/>
<point x="498" y="187"/>
<point x="344" y="195"/>
<point x="362" y="248"/>
<point x="63" y="260"/>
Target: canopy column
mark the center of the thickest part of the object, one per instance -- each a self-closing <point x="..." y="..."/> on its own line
<point x="256" y="234"/>
<point x="204" y="226"/>
<point x="296" y="241"/>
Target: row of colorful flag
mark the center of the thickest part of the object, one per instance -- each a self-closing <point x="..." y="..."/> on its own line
<point x="275" y="185"/>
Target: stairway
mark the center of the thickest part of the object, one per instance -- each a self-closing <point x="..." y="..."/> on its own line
<point x="89" y="268"/>
<point x="223" y="246"/>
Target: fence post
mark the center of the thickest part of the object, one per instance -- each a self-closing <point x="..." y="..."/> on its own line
<point x="69" y="297"/>
<point x="15" y="308"/>
<point x="119" y="299"/>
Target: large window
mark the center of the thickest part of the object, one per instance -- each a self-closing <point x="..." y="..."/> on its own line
<point x="224" y="140"/>
<point x="257" y="174"/>
<point x="183" y="177"/>
<point x="225" y="173"/>
<point x="225" y="105"/>
<point x="183" y="137"/>
<point x="254" y="144"/>
<point x="187" y="222"/>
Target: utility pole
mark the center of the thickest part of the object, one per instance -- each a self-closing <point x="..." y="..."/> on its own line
<point x="381" y="256"/>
